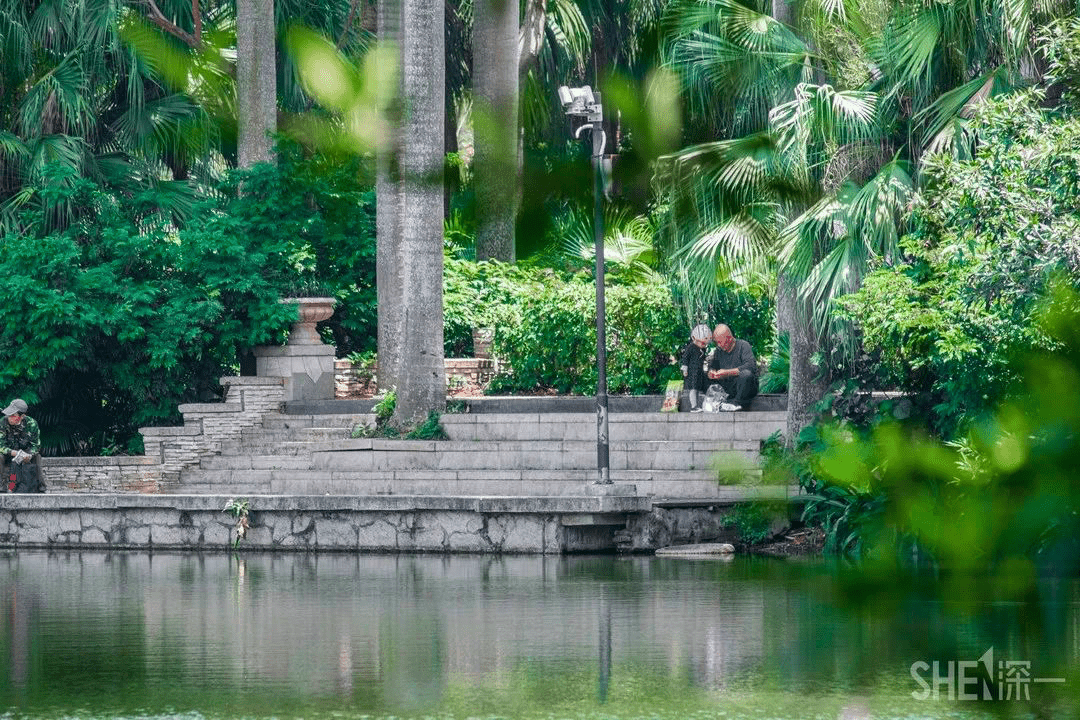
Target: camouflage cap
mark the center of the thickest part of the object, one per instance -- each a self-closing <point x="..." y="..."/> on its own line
<point x="18" y="405"/>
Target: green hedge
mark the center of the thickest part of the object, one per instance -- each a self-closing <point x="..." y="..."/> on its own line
<point x="545" y="327"/>
<point x="113" y="320"/>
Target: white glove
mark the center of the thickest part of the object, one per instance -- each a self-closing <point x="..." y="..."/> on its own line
<point x="22" y="456"/>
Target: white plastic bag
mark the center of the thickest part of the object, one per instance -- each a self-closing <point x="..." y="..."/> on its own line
<point x="713" y="399"/>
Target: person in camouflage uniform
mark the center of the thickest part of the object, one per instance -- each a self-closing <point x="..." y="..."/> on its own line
<point x="20" y="442"/>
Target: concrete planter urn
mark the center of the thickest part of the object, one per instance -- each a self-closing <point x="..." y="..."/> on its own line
<point x="313" y="310"/>
<point x="306" y="364"/>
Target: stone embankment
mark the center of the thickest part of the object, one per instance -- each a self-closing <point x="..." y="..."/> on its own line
<point x="515" y="475"/>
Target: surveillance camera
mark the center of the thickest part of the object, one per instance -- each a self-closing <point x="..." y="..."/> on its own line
<point x="577" y="101"/>
<point x="566" y="97"/>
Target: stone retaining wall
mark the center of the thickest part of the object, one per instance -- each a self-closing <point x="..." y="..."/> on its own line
<point x="121" y="474"/>
<point x="366" y="524"/>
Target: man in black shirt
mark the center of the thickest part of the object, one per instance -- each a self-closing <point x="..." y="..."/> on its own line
<point x="734" y="368"/>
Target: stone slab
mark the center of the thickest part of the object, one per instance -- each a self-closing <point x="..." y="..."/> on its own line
<point x="697" y="549"/>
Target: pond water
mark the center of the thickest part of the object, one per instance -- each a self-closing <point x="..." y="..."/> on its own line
<point x="129" y="635"/>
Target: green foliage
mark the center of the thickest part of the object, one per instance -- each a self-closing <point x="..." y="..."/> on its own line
<point x="1059" y="43"/>
<point x="239" y="508"/>
<point x="752" y="521"/>
<point x="122" y="314"/>
<point x="989" y="234"/>
<point x="545" y="326"/>
<point x="384" y="409"/>
<point x="482" y="295"/>
<point x="999" y="496"/>
<point x="776" y="376"/>
<point x="430" y="429"/>
<point x="314" y="218"/>
<point x="117" y="318"/>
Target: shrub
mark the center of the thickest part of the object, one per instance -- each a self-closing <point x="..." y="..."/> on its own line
<point x="115" y="319"/>
<point x="545" y="327"/>
<point x="988" y="235"/>
<point x="120" y="315"/>
<point x="313" y="219"/>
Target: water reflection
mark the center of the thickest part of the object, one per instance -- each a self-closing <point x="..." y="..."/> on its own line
<point x="284" y="635"/>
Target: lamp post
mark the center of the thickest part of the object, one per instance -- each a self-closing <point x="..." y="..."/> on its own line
<point x="583" y="102"/>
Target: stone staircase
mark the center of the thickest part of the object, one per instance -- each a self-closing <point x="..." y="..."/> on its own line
<point x="674" y="457"/>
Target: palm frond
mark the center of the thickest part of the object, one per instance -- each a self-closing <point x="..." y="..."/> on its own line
<point x="170" y="124"/>
<point x="65" y="150"/>
<point x="1015" y="25"/>
<point x="739" y="239"/>
<point x="52" y="24"/>
<point x="570" y="30"/>
<point x="57" y="102"/>
<point x="820" y="116"/>
<point x="829" y="247"/>
<point x="961" y="102"/>
<point x="874" y="213"/>
<point x="914" y="38"/>
<point x="11" y="147"/>
<point x="628" y="241"/>
<point x="17" y="47"/>
<point x="956" y="139"/>
<point x="733" y="59"/>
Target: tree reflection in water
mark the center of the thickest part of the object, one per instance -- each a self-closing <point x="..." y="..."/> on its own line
<point x="265" y="635"/>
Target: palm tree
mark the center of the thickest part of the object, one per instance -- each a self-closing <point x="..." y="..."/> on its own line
<point x="851" y="148"/>
<point x="409" y="260"/>
<point x="495" y="126"/>
<point x="256" y="81"/>
<point x="78" y="101"/>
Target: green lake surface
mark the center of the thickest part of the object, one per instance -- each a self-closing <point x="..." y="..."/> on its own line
<point x="252" y="635"/>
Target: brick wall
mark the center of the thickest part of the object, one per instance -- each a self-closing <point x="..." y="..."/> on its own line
<point x="168" y="450"/>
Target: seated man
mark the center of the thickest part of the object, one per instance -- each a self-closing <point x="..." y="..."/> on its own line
<point x="734" y="368"/>
<point x="20" y="442"/>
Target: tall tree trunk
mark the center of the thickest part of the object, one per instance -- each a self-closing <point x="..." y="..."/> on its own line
<point x="781" y="10"/>
<point x="793" y="318"/>
<point x="495" y="123"/>
<point x="256" y="81"/>
<point x="804" y="387"/>
<point x="409" y="262"/>
<point x="389" y="280"/>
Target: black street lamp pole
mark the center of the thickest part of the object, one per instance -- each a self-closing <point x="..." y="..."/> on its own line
<point x="583" y="102"/>
<point x="603" y="466"/>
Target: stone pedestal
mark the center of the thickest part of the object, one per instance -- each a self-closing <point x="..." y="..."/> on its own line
<point x="307" y="370"/>
<point x="306" y="364"/>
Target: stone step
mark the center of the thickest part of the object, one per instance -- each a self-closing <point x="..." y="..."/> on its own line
<point x="526" y="403"/>
<point x="622" y="427"/>
<point x="747" y="425"/>
<point x="524" y="454"/>
<point x="262" y="436"/>
<point x="341" y="420"/>
<point x="661" y="484"/>
<point x="502" y="456"/>
<point x="257" y="462"/>
<point x="290" y="447"/>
